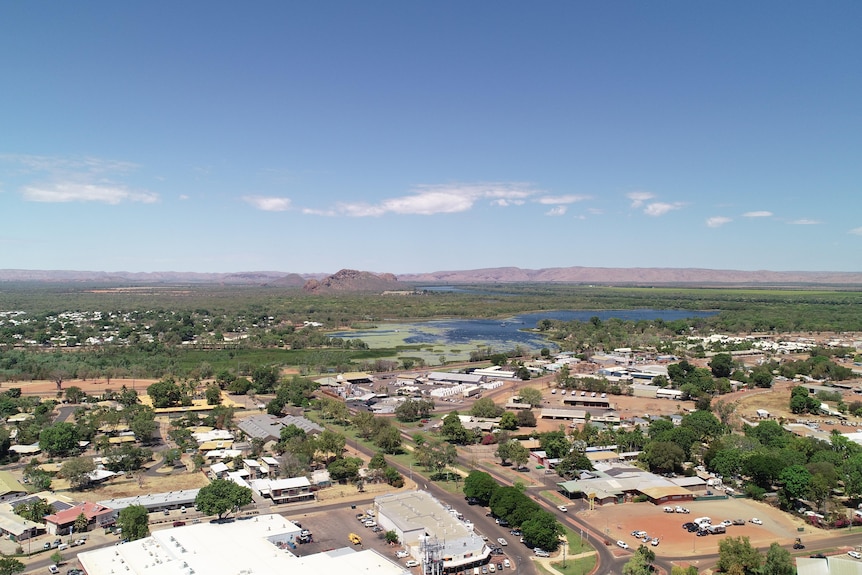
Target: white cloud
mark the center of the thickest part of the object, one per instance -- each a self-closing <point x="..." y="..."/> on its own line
<point x="856" y="231"/>
<point x="717" y="221"/>
<point x="268" y="203"/>
<point x="567" y="199"/>
<point x="660" y="208"/>
<point x="558" y="211"/>
<point x="504" y="203"/>
<point x="638" y="198"/>
<point x="439" y="199"/>
<point x="75" y="179"/>
<point x="184" y="197"/>
<point x="761" y="214"/>
<point x="805" y="222"/>
<point x="595" y="211"/>
<point x="83" y="192"/>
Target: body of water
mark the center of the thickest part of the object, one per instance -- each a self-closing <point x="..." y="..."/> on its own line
<point x="464" y="335"/>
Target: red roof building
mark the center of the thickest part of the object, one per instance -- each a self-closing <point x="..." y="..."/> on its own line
<point x="63" y="522"/>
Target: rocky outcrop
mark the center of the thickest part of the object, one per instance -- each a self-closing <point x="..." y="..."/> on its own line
<point x="353" y="281"/>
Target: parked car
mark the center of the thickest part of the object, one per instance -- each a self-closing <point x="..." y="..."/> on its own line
<point x="668" y="509"/>
<point x="506" y="563"/>
<point x="492" y="568"/>
<point x="855" y="554"/>
<point x="622" y="544"/>
<point x="502" y="541"/>
<point x="401" y="554"/>
<point x="541" y="552"/>
<point x="412" y="563"/>
<point x="726" y="523"/>
<point x="53" y="569"/>
<point x="739" y="521"/>
<point x="756" y="521"/>
<point x="654" y="542"/>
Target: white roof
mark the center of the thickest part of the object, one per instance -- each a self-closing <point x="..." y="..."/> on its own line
<point x="205" y="549"/>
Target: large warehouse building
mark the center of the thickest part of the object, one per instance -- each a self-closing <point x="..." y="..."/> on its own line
<point x="256" y="545"/>
<point x="432" y="533"/>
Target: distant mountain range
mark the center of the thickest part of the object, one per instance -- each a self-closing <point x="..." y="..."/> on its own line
<point x="352" y="280"/>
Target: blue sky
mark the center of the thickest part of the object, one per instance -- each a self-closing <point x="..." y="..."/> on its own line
<point x="421" y="136"/>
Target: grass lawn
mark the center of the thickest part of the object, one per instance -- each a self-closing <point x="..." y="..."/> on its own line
<point x="577" y="544"/>
<point x="573" y="566"/>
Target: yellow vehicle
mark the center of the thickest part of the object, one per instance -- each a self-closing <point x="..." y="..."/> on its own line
<point x="355" y="539"/>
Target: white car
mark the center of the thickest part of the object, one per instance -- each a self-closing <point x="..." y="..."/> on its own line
<point x="402" y="554"/>
<point x="506" y="563"/>
<point x="622" y="544"/>
<point x="756" y="521"/>
<point x="491" y="567"/>
<point x="541" y="552"/>
<point x="412" y="563"/>
<point x="502" y="541"/>
<point x="726" y="523"/>
<point x="654" y="542"/>
<point x="855" y="554"/>
<point x="562" y="508"/>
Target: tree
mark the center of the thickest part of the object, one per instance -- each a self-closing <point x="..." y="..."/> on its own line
<point x="640" y="562"/>
<point x="453" y="430"/>
<point x="721" y="365"/>
<point x="735" y="554"/>
<point x="481" y="486"/>
<point x="264" y="378"/>
<point x="59" y="439"/>
<point x="704" y="424"/>
<point x="388" y="439"/>
<point x="378" y="461"/>
<point x="518" y="453"/>
<point x="81" y="523"/>
<point x="165" y="393"/>
<point x="213" y="394"/>
<point x="663" y="456"/>
<point x="796" y="480"/>
<point x="542" y="530"/>
<point x="532" y="396"/>
<point x="503" y="449"/>
<point x="391" y="537"/>
<point x="509" y="421"/>
<point x="134" y="521"/>
<point x="344" y="469"/>
<point x="526" y="418"/>
<point x="555" y="444"/>
<point x="407" y="410"/>
<point x="10" y="566"/>
<point x="222" y="497"/>
<point x="35" y="510"/>
<point x="74" y="394"/>
<point x="331" y="444"/>
<point x="573" y="461"/>
<point x="486" y="408"/>
<point x="778" y="561"/>
<point x="77" y="470"/>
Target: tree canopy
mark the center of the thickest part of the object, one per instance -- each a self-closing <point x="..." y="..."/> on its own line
<point x="134" y="520"/>
<point x="222" y="497"/>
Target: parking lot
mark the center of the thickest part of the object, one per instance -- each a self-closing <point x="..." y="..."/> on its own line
<point x="619" y="521"/>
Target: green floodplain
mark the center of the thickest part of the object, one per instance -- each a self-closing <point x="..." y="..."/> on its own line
<point x="186" y="330"/>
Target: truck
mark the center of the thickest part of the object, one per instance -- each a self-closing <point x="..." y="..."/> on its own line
<point x="355" y="539"/>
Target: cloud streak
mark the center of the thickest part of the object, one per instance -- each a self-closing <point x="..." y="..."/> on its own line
<point x="438" y="199"/>
<point x="560" y="200"/>
<point x="639" y="198"/>
<point x="656" y="209"/>
<point x="268" y="203"/>
<point x="760" y="214"/>
<point x="717" y="221"/>
<point x="75" y="179"/>
<point x="805" y="222"/>
<point x="82" y="192"/>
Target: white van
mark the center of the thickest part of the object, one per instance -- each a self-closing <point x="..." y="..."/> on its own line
<point x="701" y="521"/>
<point x="475" y="571"/>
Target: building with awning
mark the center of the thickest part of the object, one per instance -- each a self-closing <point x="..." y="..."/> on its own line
<point x="618" y="483"/>
<point x="431" y="533"/>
